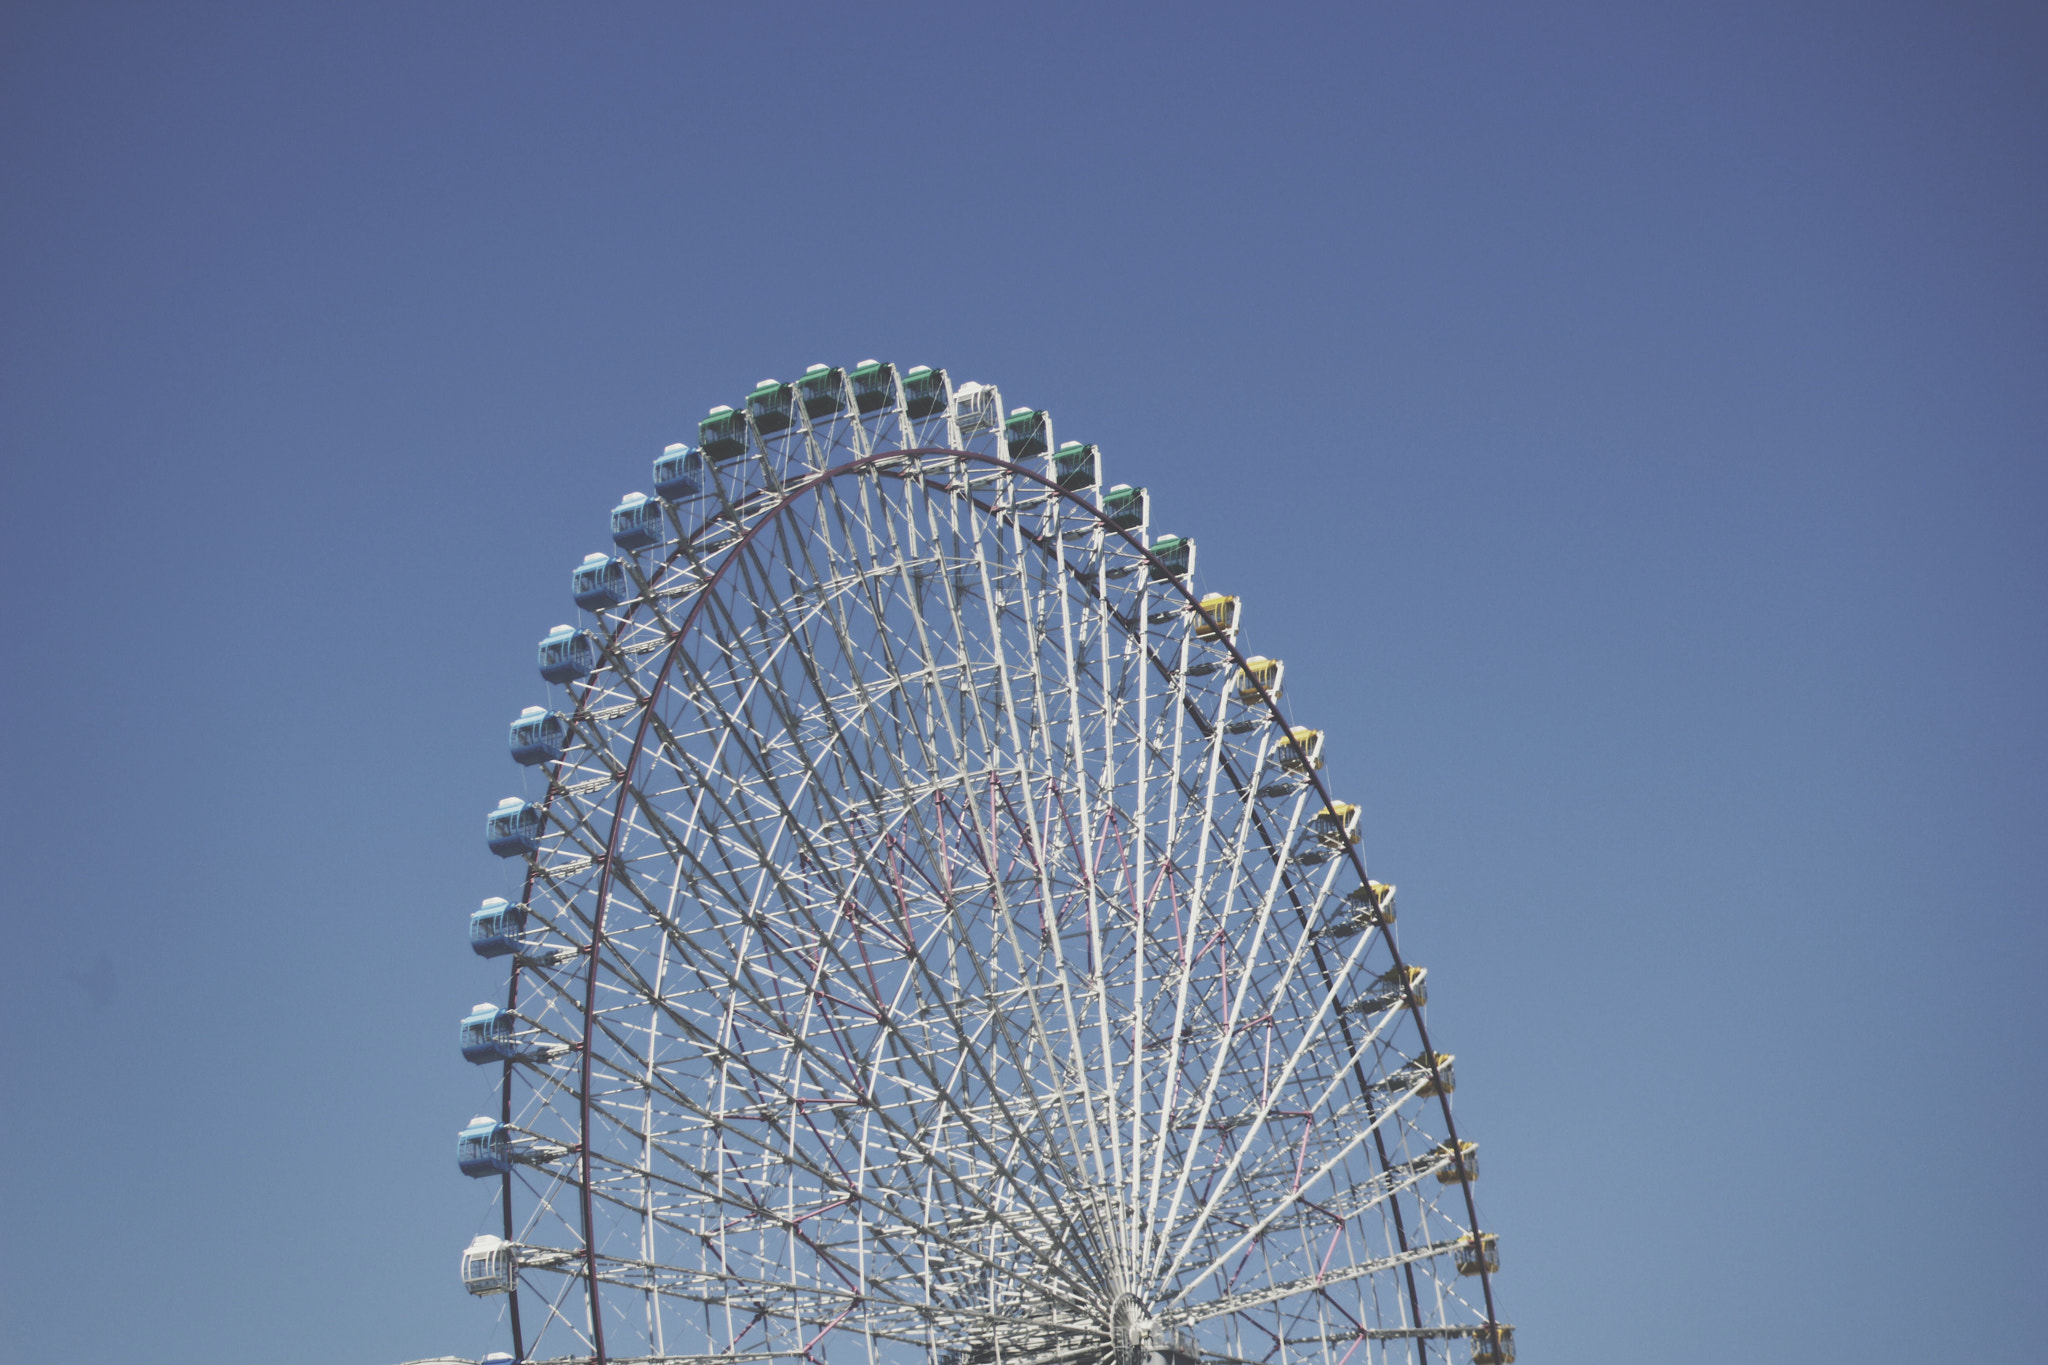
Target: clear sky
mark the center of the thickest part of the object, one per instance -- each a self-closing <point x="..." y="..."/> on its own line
<point x="1627" y="420"/>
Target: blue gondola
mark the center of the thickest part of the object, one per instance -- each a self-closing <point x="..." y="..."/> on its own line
<point x="495" y="927"/>
<point x="678" y="473"/>
<point x="599" y="582"/>
<point x="487" y="1036"/>
<point x="566" y="654"/>
<point x="723" y="434"/>
<point x="538" y="736"/>
<point x="1027" y="432"/>
<point x="484" y="1148"/>
<point x="637" y="523"/>
<point x="513" y="829"/>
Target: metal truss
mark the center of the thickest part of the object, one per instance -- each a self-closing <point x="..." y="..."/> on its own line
<point x="922" y="962"/>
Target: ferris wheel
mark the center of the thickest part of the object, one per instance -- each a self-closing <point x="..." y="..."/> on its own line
<point x="934" y="944"/>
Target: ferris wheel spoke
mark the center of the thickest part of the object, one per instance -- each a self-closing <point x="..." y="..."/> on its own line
<point x="929" y="651"/>
<point x="1321" y="1004"/>
<point x="796" y="640"/>
<point x="1017" y="1047"/>
<point x="831" y="1276"/>
<point x="1040" y="1040"/>
<point x="1068" y="744"/>
<point x="1275" y="991"/>
<point x="925" y="710"/>
<point x="1116" y="859"/>
<point x="1217" y="1069"/>
<point x="955" y="1022"/>
<point x="922" y="1151"/>
<point x="762" y="768"/>
<point x="1280" y="1205"/>
<point x="1212" y="847"/>
<point x="897" y="561"/>
<point x="1230" y="1304"/>
<point x="833" y="611"/>
<point x="574" y="828"/>
<point x="975" y="1132"/>
<point x="882" y="582"/>
<point x="877" y="1301"/>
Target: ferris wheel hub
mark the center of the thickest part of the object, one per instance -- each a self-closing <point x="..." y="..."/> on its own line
<point x="1130" y="1326"/>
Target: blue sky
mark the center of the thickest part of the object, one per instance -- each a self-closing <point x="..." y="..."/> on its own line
<point x="1627" y="421"/>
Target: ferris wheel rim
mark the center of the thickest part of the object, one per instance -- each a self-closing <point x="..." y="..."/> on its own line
<point x="729" y="554"/>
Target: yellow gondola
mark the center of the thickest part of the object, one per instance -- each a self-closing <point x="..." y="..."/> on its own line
<point x="1218" y="618"/>
<point x="1450" y="1174"/>
<point x="1258" y="672"/>
<point x="1302" y="751"/>
<point x="1470" y="1254"/>
<point x="1488" y="1349"/>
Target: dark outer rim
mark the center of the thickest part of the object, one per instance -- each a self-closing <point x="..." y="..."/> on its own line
<point x="789" y="495"/>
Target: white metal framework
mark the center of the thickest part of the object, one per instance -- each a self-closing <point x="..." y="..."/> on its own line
<point x="938" y="947"/>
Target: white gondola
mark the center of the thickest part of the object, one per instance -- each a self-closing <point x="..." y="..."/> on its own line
<point x="489" y="1265"/>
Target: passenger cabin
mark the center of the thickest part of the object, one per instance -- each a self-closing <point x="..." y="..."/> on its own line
<point x="1398" y="988"/>
<point x="1259" y="671"/>
<point x="822" y="391"/>
<point x="1173" y="557"/>
<point x="599" y="582"/>
<point x="876" y="387"/>
<point x="567" y="654"/>
<point x="1027" y="432"/>
<point x="1302" y="752"/>
<point x="513" y="829"/>
<point x="487" y="1036"/>
<point x="538" y="736"/>
<point x="488" y="1265"/>
<point x="1218" y="618"/>
<point x="926" y="392"/>
<point x="1345" y="922"/>
<point x="1075" y="466"/>
<point x="484" y="1148"/>
<point x="1456" y="1171"/>
<point x="678" y="473"/>
<point x="977" y="407"/>
<point x="723" y="435"/>
<point x="1471" y="1253"/>
<point x="1126" y="508"/>
<point x="772" y="406"/>
<point x="495" y="928"/>
<point x="1358" y="912"/>
<point x="1496" y="1347"/>
<point x="1371" y="894"/>
<point x="1417" y="1074"/>
<point x="1336" y="825"/>
<point x="637" y="523"/>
